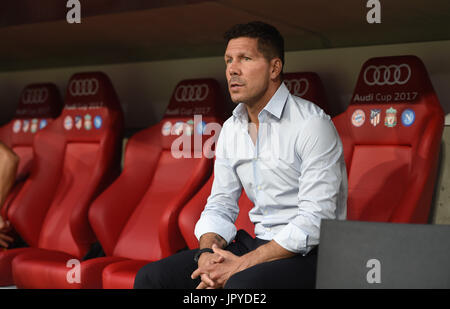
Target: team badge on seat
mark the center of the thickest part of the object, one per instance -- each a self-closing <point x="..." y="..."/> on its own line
<point x="68" y="123"/>
<point x="167" y="126"/>
<point x="375" y="116"/>
<point x="78" y="122"/>
<point x="26" y="125"/>
<point x="98" y="121"/>
<point x="408" y="117"/>
<point x="87" y="122"/>
<point x="17" y="126"/>
<point x="42" y="124"/>
<point x="34" y="125"/>
<point x="390" y="120"/>
<point x="358" y="118"/>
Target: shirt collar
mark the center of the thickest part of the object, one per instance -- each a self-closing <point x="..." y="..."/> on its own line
<point x="274" y="106"/>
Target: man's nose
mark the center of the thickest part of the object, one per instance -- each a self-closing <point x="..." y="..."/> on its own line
<point x="233" y="69"/>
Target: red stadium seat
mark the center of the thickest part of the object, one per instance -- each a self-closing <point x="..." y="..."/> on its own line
<point x="192" y="211"/>
<point x="148" y="229"/>
<point x="38" y="105"/>
<point x="76" y="157"/>
<point x="391" y="134"/>
<point x="306" y="85"/>
<point x="135" y="219"/>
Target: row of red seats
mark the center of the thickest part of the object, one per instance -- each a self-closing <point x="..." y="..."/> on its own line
<point x="391" y="134"/>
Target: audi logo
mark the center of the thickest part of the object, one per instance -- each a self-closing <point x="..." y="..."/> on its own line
<point x="191" y="93"/>
<point x="83" y="87"/>
<point x="387" y="74"/>
<point x="297" y="87"/>
<point x="35" y="95"/>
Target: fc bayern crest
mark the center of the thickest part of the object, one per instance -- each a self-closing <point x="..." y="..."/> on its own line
<point x="68" y="122"/>
<point x="17" y="126"/>
<point x="358" y="118"/>
<point x="165" y="130"/>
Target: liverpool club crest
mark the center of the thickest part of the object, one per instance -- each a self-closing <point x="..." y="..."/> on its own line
<point x="391" y="118"/>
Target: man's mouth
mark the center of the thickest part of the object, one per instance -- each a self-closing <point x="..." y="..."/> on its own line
<point x="234" y="86"/>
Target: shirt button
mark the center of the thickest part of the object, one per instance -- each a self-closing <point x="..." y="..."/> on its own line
<point x="258" y="187"/>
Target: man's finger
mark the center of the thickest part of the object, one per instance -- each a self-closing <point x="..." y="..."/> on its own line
<point x="207" y="280"/>
<point x="204" y="276"/>
<point x="219" y="251"/>
<point x="218" y="259"/>
<point x="196" y="273"/>
<point x="201" y="286"/>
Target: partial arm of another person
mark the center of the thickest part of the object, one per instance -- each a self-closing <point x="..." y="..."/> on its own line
<point x="9" y="162"/>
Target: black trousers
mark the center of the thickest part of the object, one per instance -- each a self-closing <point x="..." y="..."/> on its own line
<point x="174" y="272"/>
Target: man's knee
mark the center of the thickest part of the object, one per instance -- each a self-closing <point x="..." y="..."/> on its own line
<point x="148" y="277"/>
<point x="237" y="281"/>
<point x="171" y="272"/>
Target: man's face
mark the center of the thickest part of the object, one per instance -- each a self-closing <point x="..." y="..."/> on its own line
<point x="247" y="71"/>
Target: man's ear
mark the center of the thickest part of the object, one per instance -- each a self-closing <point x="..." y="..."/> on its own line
<point x="276" y="68"/>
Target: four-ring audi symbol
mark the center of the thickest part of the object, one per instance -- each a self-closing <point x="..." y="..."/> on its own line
<point x="83" y="87"/>
<point x="297" y="87"/>
<point x="387" y="74"/>
<point x="35" y="95"/>
<point x="191" y="93"/>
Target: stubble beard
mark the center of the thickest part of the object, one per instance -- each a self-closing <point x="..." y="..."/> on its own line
<point x="250" y="100"/>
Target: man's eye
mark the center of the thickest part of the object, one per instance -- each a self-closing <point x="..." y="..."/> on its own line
<point x="228" y="61"/>
<point x="247" y="58"/>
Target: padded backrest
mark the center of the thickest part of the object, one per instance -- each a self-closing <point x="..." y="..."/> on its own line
<point x="391" y="134"/>
<point x="308" y="86"/>
<point x="38" y="105"/>
<point x="75" y="158"/>
<point x="164" y="166"/>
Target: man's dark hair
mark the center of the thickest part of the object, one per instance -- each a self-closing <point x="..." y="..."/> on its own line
<point x="270" y="41"/>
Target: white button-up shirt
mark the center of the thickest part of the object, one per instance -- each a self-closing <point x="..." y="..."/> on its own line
<point x="294" y="174"/>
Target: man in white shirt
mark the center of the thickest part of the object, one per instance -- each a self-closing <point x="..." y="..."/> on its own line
<point x="286" y="154"/>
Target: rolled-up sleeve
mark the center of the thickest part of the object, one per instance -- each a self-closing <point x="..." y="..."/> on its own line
<point x="222" y="208"/>
<point x="322" y="178"/>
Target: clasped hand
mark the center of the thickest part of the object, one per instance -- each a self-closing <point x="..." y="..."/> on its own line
<point x="216" y="268"/>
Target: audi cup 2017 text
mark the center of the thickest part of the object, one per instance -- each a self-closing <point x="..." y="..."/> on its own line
<point x="381" y="97"/>
<point x="387" y="75"/>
